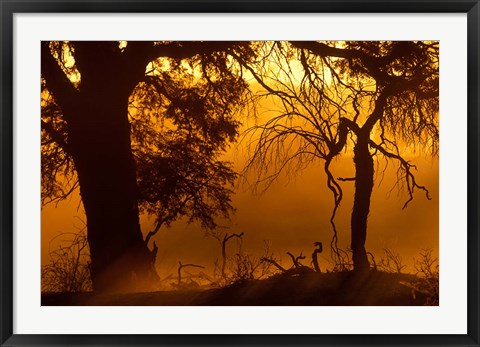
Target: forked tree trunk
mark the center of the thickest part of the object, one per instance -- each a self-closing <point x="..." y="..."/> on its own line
<point x="361" y="204"/>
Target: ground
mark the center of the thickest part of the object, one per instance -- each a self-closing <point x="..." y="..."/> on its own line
<point x="310" y="289"/>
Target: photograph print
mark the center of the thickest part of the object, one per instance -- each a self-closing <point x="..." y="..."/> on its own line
<point x="240" y="173"/>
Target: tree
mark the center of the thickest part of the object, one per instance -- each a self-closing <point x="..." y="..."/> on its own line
<point x="138" y="126"/>
<point x="372" y="98"/>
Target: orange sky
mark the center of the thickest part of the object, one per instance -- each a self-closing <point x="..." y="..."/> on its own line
<point x="291" y="215"/>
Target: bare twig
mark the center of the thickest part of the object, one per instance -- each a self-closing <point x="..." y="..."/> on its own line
<point x="274" y="263"/>
<point x="296" y="260"/>
<point x="181" y="266"/>
<point x="318" y="249"/>
<point x="226" y="238"/>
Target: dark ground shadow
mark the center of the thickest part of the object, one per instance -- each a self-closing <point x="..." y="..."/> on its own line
<point x="312" y="289"/>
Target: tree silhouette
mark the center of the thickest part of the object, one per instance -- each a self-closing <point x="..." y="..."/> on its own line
<point x="138" y="126"/>
<point x="372" y="98"/>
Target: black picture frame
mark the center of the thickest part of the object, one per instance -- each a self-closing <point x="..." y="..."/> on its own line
<point x="10" y="7"/>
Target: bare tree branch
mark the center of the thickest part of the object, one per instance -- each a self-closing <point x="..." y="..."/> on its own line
<point x="57" y="82"/>
<point x="407" y="167"/>
<point x="181" y="266"/>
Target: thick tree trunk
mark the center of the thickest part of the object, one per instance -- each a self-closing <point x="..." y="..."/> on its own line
<point x="100" y="140"/>
<point x="361" y="204"/>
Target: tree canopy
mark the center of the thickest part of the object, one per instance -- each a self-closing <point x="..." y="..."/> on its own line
<point x="181" y="117"/>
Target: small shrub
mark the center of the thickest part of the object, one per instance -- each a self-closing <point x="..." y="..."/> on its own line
<point x="69" y="266"/>
<point x="341" y="260"/>
<point x="427" y="268"/>
<point x="244" y="267"/>
<point x="391" y="262"/>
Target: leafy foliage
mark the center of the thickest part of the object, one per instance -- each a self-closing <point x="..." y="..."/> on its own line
<point x="181" y="123"/>
<point x="58" y="172"/>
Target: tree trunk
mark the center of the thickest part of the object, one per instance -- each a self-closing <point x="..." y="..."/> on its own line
<point x="100" y="139"/>
<point x="361" y="204"/>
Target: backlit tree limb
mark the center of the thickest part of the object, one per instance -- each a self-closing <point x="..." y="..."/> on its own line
<point x="57" y="82"/>
<point x="406" y="167"/>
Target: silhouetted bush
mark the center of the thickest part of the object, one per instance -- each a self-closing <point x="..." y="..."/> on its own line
<point x="69" y="266"/>
<point x="427" y="268"/>
<point x="391" y="262"/>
